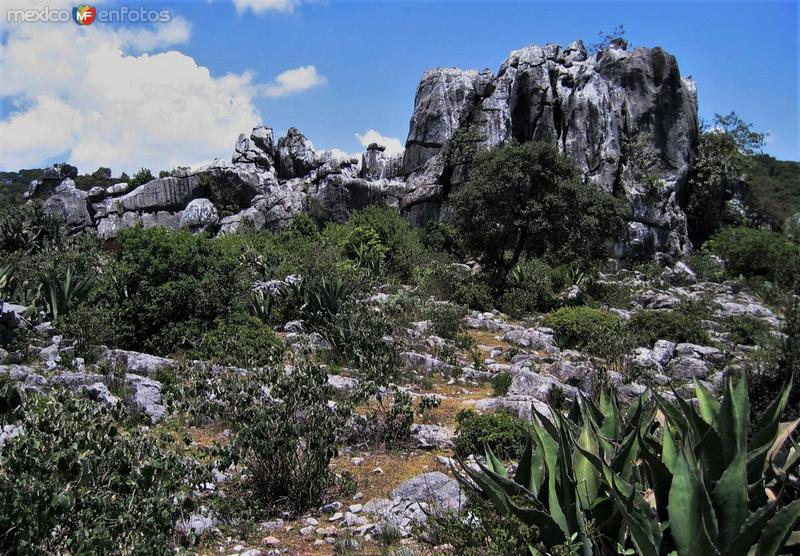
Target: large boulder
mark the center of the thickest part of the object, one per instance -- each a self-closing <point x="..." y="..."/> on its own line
<point x="595" y="108"/>
<point x="377" y="165"/>
<point x="296" y="155"/>
<point x="69" y="205"/>
<point x="200" y="215"/>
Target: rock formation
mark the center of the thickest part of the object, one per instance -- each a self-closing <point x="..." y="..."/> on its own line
<point x="628" y="119"/>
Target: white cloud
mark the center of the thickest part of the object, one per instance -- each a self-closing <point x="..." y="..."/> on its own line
<point x="96" y="97"/>
<point x="176" y="31"/>
<point x="294" y="81"/>
<point x="392" y="144"/>
<point x="261" y="6"/>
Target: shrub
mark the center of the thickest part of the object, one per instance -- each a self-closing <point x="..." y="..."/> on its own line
<point x="288" y="439"/>
<point x="583" y="328"/>
<point x="530" y="289"/>
<point x="400" y="241"/>
<point x="444" y="238"/>
<point x="76" y="482"/>
<point x="501" y="382"/>
<point x="170" y="288"/>
<point x="758" y="253"/>
<point x="502" y="432"/>
<point x="141" y="177"/>
<point x="749" y="331"/>
<point x="244" y="341"/>
<point x="473" y="293"/>
<point x="647" y="327"/>
<point x="447" y="320"/>
<point x="691" y="461"/>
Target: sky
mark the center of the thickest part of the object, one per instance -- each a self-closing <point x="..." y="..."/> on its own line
<point x="179" y="92"/>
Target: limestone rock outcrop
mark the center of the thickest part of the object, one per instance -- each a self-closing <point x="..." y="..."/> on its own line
<point x="598" y="109"/>
<point x="627" y="118"/>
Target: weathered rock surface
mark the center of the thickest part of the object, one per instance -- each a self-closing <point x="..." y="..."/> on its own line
<point x="595" y="108"/>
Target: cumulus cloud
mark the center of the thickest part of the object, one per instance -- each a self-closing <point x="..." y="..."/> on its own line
<point x="176" y="31"/>
<point x="100" y="97"/>
<point x="392" y="144"/>
<point x="261" y="6"/>
<point x="294" y="81"/>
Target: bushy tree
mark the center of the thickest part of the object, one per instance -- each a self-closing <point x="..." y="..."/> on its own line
<point x="527" y="199"/>
<point x="723" y="159"/>
<point x="143" y="176"/>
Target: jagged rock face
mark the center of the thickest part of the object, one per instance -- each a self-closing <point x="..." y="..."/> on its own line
<point x="377" y="165"/>
<point x="593" y="108"/>
<point x="68" y="204"/>
<point x="296" y="155"/>
<point x="600" y="110"/>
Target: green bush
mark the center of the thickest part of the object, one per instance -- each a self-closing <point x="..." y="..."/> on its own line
<point x="758" y="253"/>
<point x="474" y="293"/>
<point x="447" y="320"/>
<point x="399" y="241"/>
<point x="501" y="431"/>
<point x="501" y="382"/>
<point x="141" y="177"/>
<point x="288" y="440"/>
<point x="444" y="238"/>
<point x="244" y="341"/>
<point x="529" y="289"/>
<point x="748" y="331"/>
<point x="76" y="482"/>
<point x="168" y="289"/>
<point x="647" y="327"/>
<point x="584" y="328"/>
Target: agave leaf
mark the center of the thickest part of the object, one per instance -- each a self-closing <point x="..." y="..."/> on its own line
<point x="763" y="439"/>
<point x="669" y="450"/>
<point x="549" y="447"/>
<point x="530" y="470"/>
<point x="550" y="531"/>
<point x="734" y="419"/>
<point x="778" y="529"/>
<point x="686" y="511"/>
<point x="661" y="477"/>
<point x="785" y="431"/>
<point x="747" y="536"/>
<point x="611" y="427"/>
<point x="730" y="500"/>
<point x="487" y="487"/>
<point x="627" y="454"/>
<point x="709" y="406"/>
<point x="586" y="476"/>
<point x="641" y="523"/>
<point x="494" y="464"/>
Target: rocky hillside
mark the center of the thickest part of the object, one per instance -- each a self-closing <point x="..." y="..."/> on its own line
<point x="628" y="119"/>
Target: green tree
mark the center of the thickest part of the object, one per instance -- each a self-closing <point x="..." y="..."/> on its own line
<point x="724" y="158"/>
<point x="143" y="176"/>
<point x="527" y="199"/>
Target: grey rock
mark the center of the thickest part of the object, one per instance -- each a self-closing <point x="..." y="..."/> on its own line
<point x="137" y="363"/>
<point x="424" y="363"/>
<point x="589" y="106"/>
<point x="25" y="376"/>
<point x="538" y="386"/>
<point x="200" y="215"/>
<point x="435" y="488"/>
<point x="296" y="155"/>
<point x="99" y="392"/>
<point x="69" y="205"/>
<point x="684" y="368"/>
<point x="531" y="338"/>
<point x="7" y="432"/>
<point x="519" y="405"/>
<point x="430" y="437"/>
<point x="377" y="165"/>
<point x="197" y="525"/>
<point x="342" y="383"/>
<point x="146" y="397"/>
<point x="9" y="319"/>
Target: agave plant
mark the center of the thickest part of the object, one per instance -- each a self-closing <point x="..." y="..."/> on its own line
<point x="8" y="283"/>
<point x="261" y="304"/>
<point x="660" y="478"/>
<point x="60" y="295"/>
<point x="323" y="298"/>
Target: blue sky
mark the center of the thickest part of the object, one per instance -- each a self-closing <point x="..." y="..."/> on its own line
<point x="744" y="56"/>
<point x="368" y="57"/>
